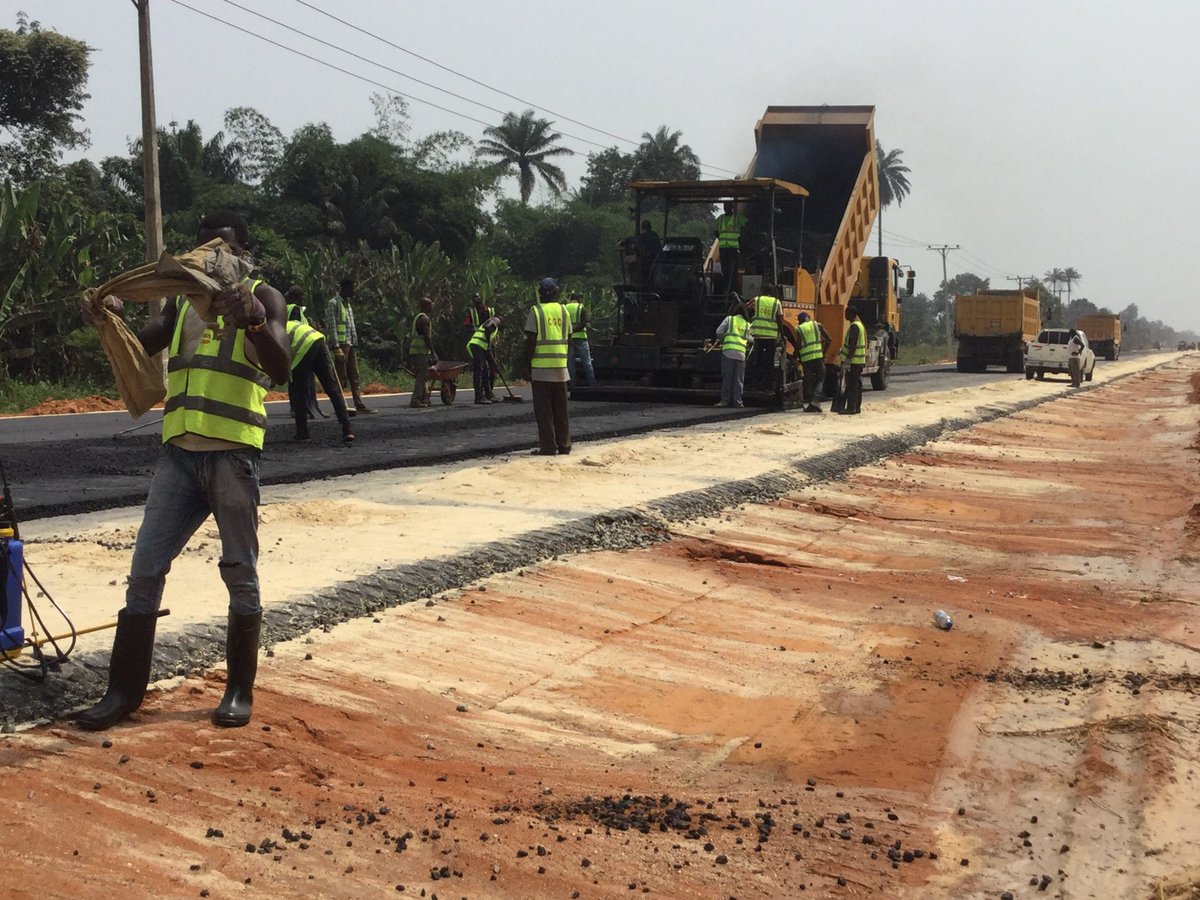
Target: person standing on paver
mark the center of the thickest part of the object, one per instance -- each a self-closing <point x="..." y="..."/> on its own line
<point x="339" y="326"/>
<point x="214" y="422"/>
<point x="854" y="357"/>
<point x="729" y="244"/>
<point x="1075" y="358"/>
<point x="421" y="354"/>
<point x="547" y="331"/>
<point x="311" y="357"/>
<point x="580" y="352"/>
<point x="483" y="360"/>
<point x="736" y="339"/>
<point x="813" y="345"/>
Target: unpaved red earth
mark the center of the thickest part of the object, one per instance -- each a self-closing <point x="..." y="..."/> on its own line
<point x="759" y="707"/>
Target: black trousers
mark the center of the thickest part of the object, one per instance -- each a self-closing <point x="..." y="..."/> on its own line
<point x="315" y="362"/>
<point x="814" y="370"/>
<point x="481" y="372"/>
<point x="729" y="265"/>
<point x="553" y="416"/>
<point x="854" y="389"/>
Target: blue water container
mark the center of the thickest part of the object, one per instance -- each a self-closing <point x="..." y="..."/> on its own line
<point x="12" y="635"/>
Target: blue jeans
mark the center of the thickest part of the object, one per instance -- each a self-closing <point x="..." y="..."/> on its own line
<point x="581" y="348"/>
<point x="187" y="487"/>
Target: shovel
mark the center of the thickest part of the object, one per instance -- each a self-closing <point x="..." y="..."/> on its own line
<point x="511" y="398"/>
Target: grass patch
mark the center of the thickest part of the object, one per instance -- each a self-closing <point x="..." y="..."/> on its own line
<point x="16" y="395"/>
<point x="923" y="354"/>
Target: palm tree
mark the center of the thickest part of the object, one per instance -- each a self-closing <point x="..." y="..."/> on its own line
<point x="893" y="182"/>
<point x="1069" y="275"/>
<point x="1055" y="277"/>
<point x="660" y="157"/>
<point x="521" y="145"/>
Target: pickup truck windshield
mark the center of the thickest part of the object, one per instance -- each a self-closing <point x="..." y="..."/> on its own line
<point x="1055" y="336"/>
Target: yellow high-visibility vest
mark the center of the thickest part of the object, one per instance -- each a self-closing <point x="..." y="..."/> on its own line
<point x="735" y="336"/>
<point x="729" y="229"/>
<point x="766" y="321"/>
<point x="218" y="393"/>
<point x="418" y="345"/>
<point x="302" y="337"/>
<point x="575" y="311"/>
<point x="857" y="356"/>
<point x="550" y="351"/>
<point x="810" y="340"/>
<point x="480" y="339"/>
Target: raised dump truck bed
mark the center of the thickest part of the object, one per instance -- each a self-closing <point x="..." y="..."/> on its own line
<point x="993" y="327"/>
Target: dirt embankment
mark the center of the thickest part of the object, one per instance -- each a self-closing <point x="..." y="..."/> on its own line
<point x="758" y="707"/>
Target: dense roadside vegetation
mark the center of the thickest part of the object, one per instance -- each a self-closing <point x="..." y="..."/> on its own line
<point x="406" y="216"/>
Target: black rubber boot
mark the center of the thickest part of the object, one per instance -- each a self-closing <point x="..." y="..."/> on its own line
<point x="128" y="672"/>
<point x="241" y="662"/>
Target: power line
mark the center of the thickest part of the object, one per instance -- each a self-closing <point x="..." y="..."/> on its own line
<point x="484" y="84"/>
<point x="391" y="90"/>
<point x="329" y="65"/>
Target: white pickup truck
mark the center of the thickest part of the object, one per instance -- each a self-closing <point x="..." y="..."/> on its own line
<point x="1049" y="353"/>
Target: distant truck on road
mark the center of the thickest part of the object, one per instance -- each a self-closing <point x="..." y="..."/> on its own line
<point x="1104" y="334"/>
<point x="993" y="328"/>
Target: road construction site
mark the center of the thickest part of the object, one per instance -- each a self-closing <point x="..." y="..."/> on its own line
<point x="695" y="662"/>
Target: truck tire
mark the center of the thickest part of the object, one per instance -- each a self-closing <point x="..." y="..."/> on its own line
<point x="1087" y="376"/>
<point x="1111" y="355"/>
<point x="1041" y="374"/>
<point x="879" y="379"/>
<point x="1016" y="363"/>
<point x="1029" y="374"/>
<point x="962" y="364"/>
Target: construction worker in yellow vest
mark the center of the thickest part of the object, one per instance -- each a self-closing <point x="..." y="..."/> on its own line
<point x="481" y="346"/>
<point x="310" y="356"/>
<point x="547" y="340"/>
<point x="580" y="352"/>
<point x="297" y="312"/>
<point x="812" y="345"/>
<point x="421" y="354"/>
<point x="736" y="339"/>
<point x="343" y="333"/>
<point x="478" y="312"/>
<point x="214" y="423"/>
<point x="854" y="357"/>
<point x="767" y="324"/>
<point x="729" y="243"/>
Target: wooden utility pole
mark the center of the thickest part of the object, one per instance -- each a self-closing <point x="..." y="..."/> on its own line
<point x="945" y="249"/>
<point x="150" y="186"/>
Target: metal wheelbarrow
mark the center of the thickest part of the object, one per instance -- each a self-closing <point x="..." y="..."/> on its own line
<point x="447" y="373"/>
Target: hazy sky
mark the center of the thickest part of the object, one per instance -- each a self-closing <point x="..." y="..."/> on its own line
<point x="1039" y="134"/>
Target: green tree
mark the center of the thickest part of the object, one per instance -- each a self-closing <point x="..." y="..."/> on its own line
<point x="893" y="182"/>
<point x="607" y="179"/>
<point x="41" y="94"/>
<point x="1054" y="277"/>
<point x="661" y="157"/>
<point x="256" y="143"/>
<point x="522" y="146"/>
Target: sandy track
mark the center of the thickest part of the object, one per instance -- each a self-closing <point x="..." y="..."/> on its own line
<point x="758" y="649"/>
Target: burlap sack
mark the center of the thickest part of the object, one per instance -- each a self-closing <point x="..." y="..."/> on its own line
<point x="139" y="378"/>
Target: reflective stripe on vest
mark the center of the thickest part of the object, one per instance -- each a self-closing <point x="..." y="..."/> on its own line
<point x="418" y="344"/>
<point x="810" y="340"/>
<point x="766" y="317"/>
<point x="480" y="339"/>
<point x="550" y="351"/>
<point x="735" y="337"/>
<point x="575" y="311"/>
<point x="475" y="321"/>
<point x="857" y="356"/>
<point x="302" y="338"/>
<point x="218" y="393"/>
<point x="295" y="313"/>
<point x="729" y="229"/>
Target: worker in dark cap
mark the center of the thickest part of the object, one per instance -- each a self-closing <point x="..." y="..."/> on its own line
<point x="547" y="339"/>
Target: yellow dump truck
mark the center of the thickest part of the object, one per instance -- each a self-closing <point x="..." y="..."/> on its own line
<point x="993" y="328"/>
<point x="1103" y="331"/>
<point x="810" y="197"/>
